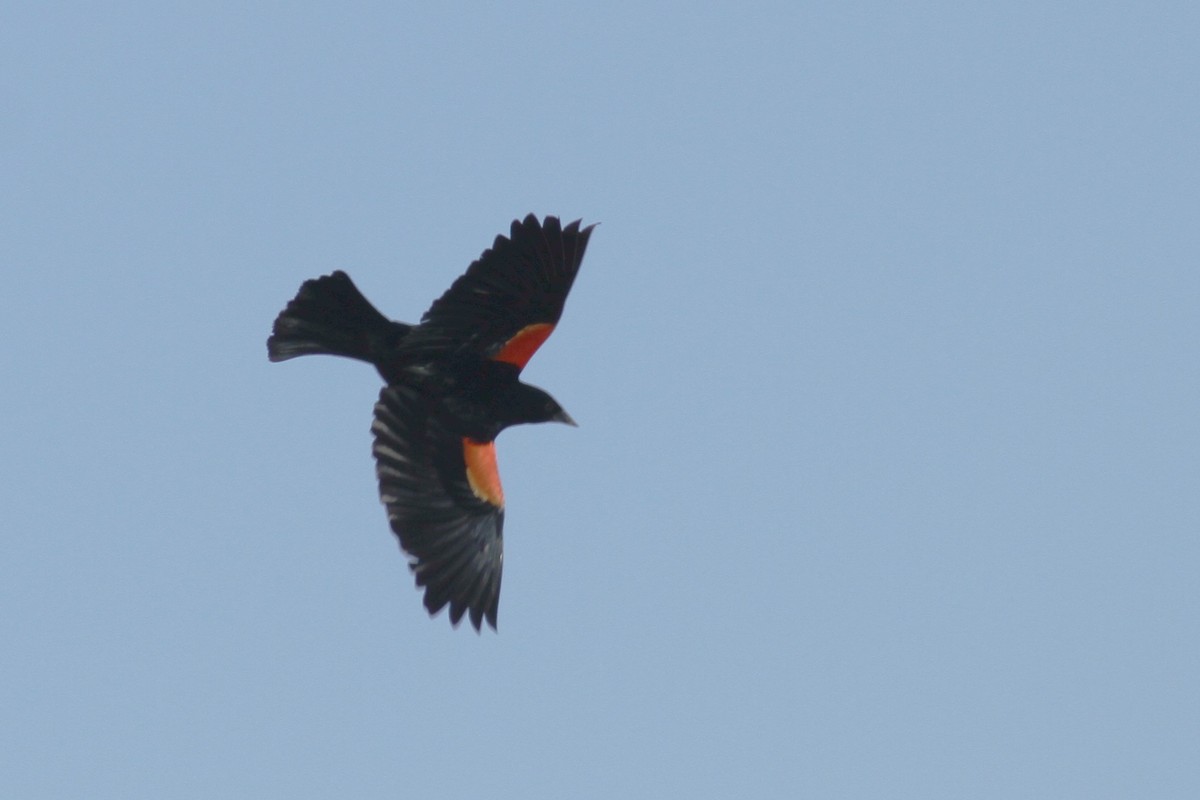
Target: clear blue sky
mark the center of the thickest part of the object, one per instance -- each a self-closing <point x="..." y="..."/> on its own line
<point x="885" y="356"/>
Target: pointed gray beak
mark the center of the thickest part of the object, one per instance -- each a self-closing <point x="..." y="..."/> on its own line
<point x="565" y="418"/>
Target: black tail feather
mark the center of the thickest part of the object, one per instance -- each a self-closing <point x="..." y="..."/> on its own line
<point x="329" y="316"/>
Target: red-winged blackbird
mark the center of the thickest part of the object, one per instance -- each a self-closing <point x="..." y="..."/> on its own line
<point x="452" y="386"/>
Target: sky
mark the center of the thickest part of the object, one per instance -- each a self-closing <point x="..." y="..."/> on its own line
<point x="884" y="354"/>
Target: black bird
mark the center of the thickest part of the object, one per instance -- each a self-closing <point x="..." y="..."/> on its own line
<point x="452" y="386"/>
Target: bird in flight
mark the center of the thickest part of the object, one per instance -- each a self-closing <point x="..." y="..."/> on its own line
<point x="452" y="384"/>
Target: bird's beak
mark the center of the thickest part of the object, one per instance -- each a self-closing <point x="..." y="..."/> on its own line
<point x="565" y="418"/>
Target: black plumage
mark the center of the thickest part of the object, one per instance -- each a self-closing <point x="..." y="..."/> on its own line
<point x="452" y="385"/>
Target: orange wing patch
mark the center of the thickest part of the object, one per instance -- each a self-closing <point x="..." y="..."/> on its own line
<point x="482" y="472"/>
<point x="520" y="348"/>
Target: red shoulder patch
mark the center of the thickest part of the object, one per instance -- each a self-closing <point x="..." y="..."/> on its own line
<point x="520" y="348"/>
<point x="482" y="472"/>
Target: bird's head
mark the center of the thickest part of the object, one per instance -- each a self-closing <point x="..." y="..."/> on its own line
<point x="534" y="405"/>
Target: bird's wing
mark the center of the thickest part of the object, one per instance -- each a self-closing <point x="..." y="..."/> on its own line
<point x="509" y="300"/>
<point x="444" y="502"/>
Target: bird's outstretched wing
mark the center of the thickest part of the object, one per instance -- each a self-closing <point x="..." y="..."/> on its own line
<point x="509" y="300"/>
<point x="444" y="502"/>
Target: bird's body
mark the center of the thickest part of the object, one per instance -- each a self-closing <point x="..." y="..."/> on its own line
<point x="452" y="385"/>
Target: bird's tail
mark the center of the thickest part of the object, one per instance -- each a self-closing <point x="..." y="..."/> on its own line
<point x="329" y="316"/>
